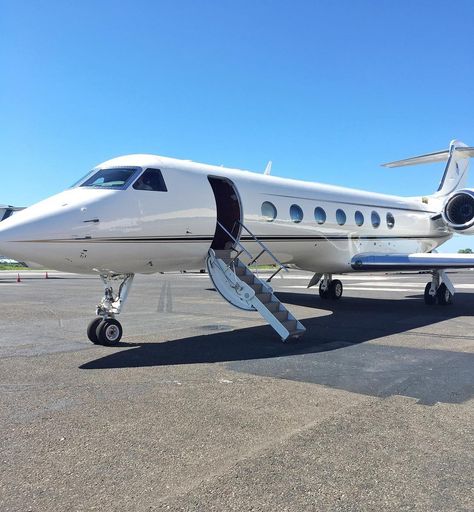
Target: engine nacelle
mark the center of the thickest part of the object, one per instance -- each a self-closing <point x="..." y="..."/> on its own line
<point x="458" y="212"/>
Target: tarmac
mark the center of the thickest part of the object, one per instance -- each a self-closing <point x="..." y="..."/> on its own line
<point x="202" y="408"/>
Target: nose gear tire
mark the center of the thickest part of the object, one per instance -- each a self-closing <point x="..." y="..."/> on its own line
<point x="92" y="330"/>
<point x="109" y="332"/>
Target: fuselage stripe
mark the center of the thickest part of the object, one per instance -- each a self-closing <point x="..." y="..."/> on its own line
<point x="264" y="238"/>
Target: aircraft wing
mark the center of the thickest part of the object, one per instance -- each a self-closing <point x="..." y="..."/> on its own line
<point x="416" y="261"/>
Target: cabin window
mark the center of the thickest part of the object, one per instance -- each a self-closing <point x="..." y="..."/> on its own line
<point x="110" y="178"/>
<point x="152" y="180"/>
<point x="319" y="215"/>
<point x="269" y="211"/>
<point x="359" y="218"/>
<point x="375" y="218"/>
<point x="340" y="217"/>
<point x="390" y="220"/>
<point x="296" y="213"/>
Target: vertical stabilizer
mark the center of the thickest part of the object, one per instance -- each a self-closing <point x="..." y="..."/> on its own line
<point x="456" y="171"/>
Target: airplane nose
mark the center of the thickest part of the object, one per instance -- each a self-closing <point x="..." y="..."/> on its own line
<point x="21" y="236"/>
<point x="46" y="231"/>
<point x="40" y="234"/>
<point x="9" y="236"/>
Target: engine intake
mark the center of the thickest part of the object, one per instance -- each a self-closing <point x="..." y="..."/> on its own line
<point x="458" y="211"/>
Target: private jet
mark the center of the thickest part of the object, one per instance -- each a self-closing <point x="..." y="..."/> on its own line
<point x="142" y="214"/>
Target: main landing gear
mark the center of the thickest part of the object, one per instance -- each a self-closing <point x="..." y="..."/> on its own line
<point x="105" y="329"/>
<point x="330" y="288"/>
<point x="440" y="290"/>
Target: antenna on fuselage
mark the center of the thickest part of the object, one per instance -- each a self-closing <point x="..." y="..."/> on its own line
<point x="268" y="168"/>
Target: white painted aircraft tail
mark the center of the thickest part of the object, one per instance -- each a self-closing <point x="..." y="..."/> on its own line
<point x="457" y="166"/>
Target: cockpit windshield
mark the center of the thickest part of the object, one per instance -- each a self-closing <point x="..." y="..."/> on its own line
<point x="110" y="178"/>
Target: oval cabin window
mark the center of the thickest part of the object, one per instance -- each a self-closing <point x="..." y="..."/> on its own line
<point x="269" y="212"/>
<point x="296" y="213"/>
<point x="340" y="217"/>
<point x="390" y="220"/>
<point x="359" y="218"/>
<point x="375" y="218"/>
<point x="319" y="215"/>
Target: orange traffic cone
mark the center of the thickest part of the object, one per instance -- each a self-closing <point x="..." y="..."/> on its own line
<point x="18" y="280"/>
<point x="46" y="276"/>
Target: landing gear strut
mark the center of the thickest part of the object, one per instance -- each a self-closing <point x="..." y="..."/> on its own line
<point x="440" y="290"/>
<point x="105" y="329"/>
<point x="330" y="288"/>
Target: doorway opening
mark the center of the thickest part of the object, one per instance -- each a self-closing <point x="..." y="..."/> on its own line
<point x="229" y="213"/>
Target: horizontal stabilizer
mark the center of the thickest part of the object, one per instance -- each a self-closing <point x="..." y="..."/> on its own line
<point x="438" y="156"/>
<point x="415" y="261"/>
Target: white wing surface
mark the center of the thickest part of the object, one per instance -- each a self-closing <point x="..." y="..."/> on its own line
<point x="416" y="261"/>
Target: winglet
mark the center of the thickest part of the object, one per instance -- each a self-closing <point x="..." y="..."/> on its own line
<point x="268" y="168"/>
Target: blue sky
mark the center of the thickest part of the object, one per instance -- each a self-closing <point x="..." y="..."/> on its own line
<point x="327" y="90"/>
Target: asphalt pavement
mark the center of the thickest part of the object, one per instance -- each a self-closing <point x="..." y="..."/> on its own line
<point x="202" y="408"/>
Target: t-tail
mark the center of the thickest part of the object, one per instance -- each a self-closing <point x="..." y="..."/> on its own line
<point x="457" y="166"/>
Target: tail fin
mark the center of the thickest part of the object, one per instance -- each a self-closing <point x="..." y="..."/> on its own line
<point x="457" y="166"/>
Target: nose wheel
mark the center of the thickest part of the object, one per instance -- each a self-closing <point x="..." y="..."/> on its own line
<point x="92" y="330"/>
<point x="105" y="329"/>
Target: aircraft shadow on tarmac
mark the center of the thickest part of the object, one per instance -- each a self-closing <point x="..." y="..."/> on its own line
<point x="334" y="351"/>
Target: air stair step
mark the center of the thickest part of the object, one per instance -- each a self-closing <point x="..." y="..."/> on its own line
<point x="281" y="315"/>
<point x="290" y="325"/>
<point x="243" y="289"/>
<point x="257" y="287"/>
<point x="264" y="297"/>
<point x="272" y="306"/>
<point x="296" y="333"/>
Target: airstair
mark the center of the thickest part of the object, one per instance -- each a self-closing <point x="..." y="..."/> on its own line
<point x="237" y="284"/>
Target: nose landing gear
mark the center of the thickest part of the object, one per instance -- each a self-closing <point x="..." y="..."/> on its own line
<point x="105" y="329"/>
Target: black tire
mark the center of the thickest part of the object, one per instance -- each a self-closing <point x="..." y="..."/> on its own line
<point x="109" y="332"/>
<point x="324" y="294"/>
<point x="335" y="289"/>
<point x="443" y="295"/>
<point x="92" y="330"/>
<point x="429" y="299"/>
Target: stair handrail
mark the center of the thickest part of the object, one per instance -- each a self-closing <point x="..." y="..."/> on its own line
<point x="243" y="249"/>
<point x="264" y="248"/>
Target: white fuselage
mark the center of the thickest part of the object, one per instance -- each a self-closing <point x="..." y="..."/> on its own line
<point x="94" y="230"/>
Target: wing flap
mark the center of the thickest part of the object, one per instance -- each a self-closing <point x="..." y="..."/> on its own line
<point x="416" y="261"/>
